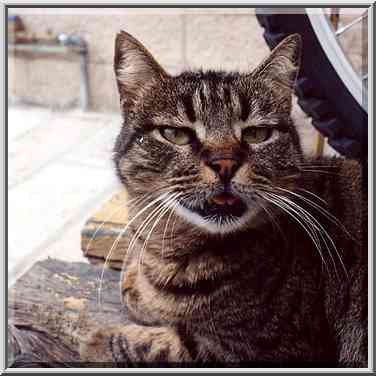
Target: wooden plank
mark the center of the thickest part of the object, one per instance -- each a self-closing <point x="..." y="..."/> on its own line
<point x="113" y="210"/>
<point x="54" y="305"/>
<point x="320" y="143"/>
<point x="103" y="228"/>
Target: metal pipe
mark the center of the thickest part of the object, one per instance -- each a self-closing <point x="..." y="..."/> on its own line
<point x="77" y="41"/>
<point x="67" y="44"/>
<point x="84" y="87"/>
<point x="41" y="48"/>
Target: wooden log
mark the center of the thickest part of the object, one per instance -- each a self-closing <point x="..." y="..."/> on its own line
<point x="102" y="230"/>
<point x="54" y="305"/>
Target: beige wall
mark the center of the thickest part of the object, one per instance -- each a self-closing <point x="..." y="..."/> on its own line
<point x="178" y="38"/>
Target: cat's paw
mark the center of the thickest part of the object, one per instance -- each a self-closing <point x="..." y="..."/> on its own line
<point x="99" y="346"/>
<point x="133" y="345"/>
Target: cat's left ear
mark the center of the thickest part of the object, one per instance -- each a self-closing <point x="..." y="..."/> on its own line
<point x="135" y="68"/>
<point x="282" y="65"/>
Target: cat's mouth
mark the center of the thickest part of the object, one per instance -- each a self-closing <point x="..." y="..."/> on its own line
<point x="222" y="205"/>
<point x="219" y="213"/>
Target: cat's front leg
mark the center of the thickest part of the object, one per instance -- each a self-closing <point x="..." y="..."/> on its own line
<point x="134" y="345"/>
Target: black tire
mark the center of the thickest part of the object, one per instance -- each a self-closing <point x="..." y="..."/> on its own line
<point x="320" y="91"/>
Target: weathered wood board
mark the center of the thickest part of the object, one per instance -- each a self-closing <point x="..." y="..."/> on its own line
<point x="55" y="304"/>
<point x="102" y="230"/>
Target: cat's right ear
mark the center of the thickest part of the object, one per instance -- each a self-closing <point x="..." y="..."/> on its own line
<point x="281" y="67"/>
<point x="135" y="68"/>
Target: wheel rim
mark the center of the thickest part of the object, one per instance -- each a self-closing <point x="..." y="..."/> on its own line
<point x="355" y="82"/>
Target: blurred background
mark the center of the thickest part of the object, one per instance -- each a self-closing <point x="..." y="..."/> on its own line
<point x="63" y="113"/>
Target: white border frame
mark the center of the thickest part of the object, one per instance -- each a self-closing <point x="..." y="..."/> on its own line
<point x="152" y="3"/>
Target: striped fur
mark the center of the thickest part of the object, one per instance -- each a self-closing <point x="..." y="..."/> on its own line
<point x="255" y="292"/>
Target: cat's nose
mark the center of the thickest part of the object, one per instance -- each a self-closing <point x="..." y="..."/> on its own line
<point x="224" y="168"/>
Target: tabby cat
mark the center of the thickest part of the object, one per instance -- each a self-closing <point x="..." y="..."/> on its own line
<point x="244" y="252"/>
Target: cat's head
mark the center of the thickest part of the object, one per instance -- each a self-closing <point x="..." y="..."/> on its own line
<point x="206" y="143"/>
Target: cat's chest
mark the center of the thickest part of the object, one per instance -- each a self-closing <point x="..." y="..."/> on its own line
<point x="282" y="317"/>
<point x="289" y="326"/>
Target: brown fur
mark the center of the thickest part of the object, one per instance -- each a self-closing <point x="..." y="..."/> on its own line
<point x="259" y="294"/>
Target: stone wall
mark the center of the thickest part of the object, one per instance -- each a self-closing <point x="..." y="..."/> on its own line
<point x="179" y="38"/>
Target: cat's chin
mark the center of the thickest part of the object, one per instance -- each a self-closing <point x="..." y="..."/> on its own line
<point x="218" y="225"/>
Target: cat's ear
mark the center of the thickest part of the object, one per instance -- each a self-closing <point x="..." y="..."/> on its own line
<point x="135" y="68"/>
<point x="282" y="65"/>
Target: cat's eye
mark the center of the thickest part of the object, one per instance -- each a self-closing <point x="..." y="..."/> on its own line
<point x="178" y="136"/>
<point x="256" y="135"/>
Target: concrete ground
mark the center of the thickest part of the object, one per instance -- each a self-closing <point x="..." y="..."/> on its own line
<point x="59" y="172"/>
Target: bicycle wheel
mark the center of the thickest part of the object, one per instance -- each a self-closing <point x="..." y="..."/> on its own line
<point x="336" y="112"/>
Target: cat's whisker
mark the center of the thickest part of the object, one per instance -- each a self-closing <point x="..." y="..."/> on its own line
<point x="143" y="200"/>
<point x="181" y="179"/>
<point x="122" y="232"/>
<point x="115" y="211"/>
<point x="220" y="221"/>
<point x="317" y="165"/>
<point x="164" y="210"/>
<point x="273" y="220"/>
<point x="293" y="176"/>
<point x="121" y="207"/>
<point x="166" y="207"/>
<point x="297" y="210"/>
<point x="312" y="221"/>
<point x="319" y="208"/>
<point x="166" y="226"/>
<point x="141" y="228"/>
<point x="172" y="232"/>
<point x="144" y="223"/>
<point x="308" y="223"/>
<point x="321" y="229"/>
<point x="320" y="172"/>
<point x="268" y="197"/>
<point x="134" y="202"/>
<point x="167" y="281"/>
<point x="314" y="195"/>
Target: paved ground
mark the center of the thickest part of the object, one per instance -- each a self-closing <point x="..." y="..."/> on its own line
<point x="60" y="171"/>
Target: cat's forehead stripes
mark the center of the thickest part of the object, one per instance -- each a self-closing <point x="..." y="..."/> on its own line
<point x="215" y="108"/>
<point x="189" y="108"/>
<point x="197" y="102"/>
<point x="201" y="99"/>
<point x="215" y="98"/>
<point x="235" y="102"/>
